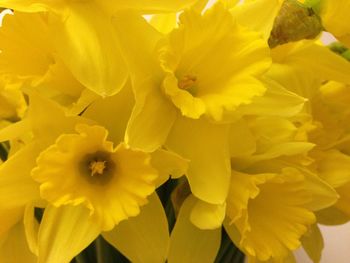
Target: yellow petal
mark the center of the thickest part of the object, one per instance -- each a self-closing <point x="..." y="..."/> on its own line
<point x="332" y="216"/>
<point x="242" y="188"/>
<point x="189" y="243"/>
<point x="87" y="43"/>
<point x="16" y="185"/>
<point x="41" y="121"/>
<point x="249" y="14"/>
<point x="242" y="141"/>
<point x="334" y="168"/>
<point x="14" y="130"/>
<point x="132" y="30"/>
<point x="164" y="23"/>
<point x="277" y="101"/>
<point x="14" y="248"/>
<point x="313" y="243"/>
<point x="315" y="60"/>
<point x="113" y="112"/>
<point x="343" y="202"/>
<point x="168" y="164"/>
<point x="9" y="218"/>
<point x="335" y="17"/>
<point x="294" y="80"/>
<point x="64" y="232"/>
<point x="209" y="170"/>
<point x="18" y="59"/>
<point x="31" y="228"/>
<point x="323" y="194"/>
<point x="207" y="216"/>
<point x="150" y="122"/>
<point x="145" y="238"/>
<point x="149" y="6"/>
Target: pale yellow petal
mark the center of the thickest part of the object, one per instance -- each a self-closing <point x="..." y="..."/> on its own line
<point x="277" y="101"/>
<point x="242" y="141"/>
<point x="14" y="130"/>
<point x="64" y="232"/>
<point x="313" y="243"/>
<point x="9" y="218"/>
<point x="16" y="185"/>
<point x="323" y="194"/>
<point x="132" y="30"/>
<point x="164" y="23"/>
<point x="168" y="164"/>
<point x="15" y="249"/>
<point x="150" y="122"/>
<point x="147" y="6"/>
<point x="206" y="146"/>
<point x="334" y="168"/>
<point x="31" y="228"/>
<point x="87" y="43"/>
<point x="313" y="59"/>
<point x="207" y="216"/>
<point x="190" y="244"/>
<point x="332" y="216"/>
<point x="250" y="15"/>
<point x="145" y="238"/>
<point x="113" y="112"/>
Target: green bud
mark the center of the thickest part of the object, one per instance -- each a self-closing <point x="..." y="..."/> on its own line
<point x="294" y="22"/>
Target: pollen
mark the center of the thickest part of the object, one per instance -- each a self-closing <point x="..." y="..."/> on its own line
<point x="188" y="82"/>
<point x="97" y="167"/>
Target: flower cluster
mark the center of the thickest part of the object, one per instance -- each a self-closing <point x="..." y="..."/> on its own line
<point x="238" y="106"/>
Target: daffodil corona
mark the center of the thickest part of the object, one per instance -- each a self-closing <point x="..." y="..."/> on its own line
<point x="85" y="168"/>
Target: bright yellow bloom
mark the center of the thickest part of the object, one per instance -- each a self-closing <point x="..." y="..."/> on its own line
<point x="112" y="182"/>
<point x="272" y="215"/>
<point x="37" y="64"/>
<point x="85" y="40"/>
<point x="185" y="81"/>
<point x="205" y="70"/>
<point x="323" y="120"/>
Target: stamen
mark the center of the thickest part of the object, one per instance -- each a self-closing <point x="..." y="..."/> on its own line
<point x="187" y="82"/>
<point x="97" y="167"/>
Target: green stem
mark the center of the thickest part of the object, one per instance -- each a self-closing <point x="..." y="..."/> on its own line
<point x="99" y="250"/>
<point x="80" y="259"/>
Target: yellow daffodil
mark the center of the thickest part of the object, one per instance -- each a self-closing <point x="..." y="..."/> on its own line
<point x="291" y="213"/>
<point x="98" y="64"/>
<point x="112" y="182"/>
<point x="37" y="65"/>
<point x="184" y="82"/>
<point x="323" y="119"/>
<point x="93" y="215"/>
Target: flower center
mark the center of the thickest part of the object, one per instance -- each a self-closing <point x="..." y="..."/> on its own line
<point x="97" y="167"/>
<point x="188" y="83"/>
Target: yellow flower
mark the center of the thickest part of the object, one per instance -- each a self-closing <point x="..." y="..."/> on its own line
<point x="36" y="65"/>
<point x="112" y="182"/>
<point x="269" y="213"/>
<point x="185" y="81"/>
<point x="206" y="69"/>
<point x="85" y="40"/>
